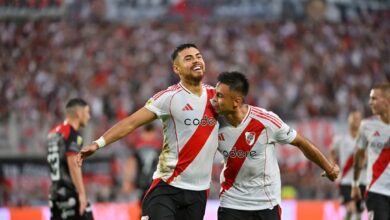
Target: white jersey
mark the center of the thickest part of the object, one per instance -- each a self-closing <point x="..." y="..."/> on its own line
<point x="374" y="135"/>
<point x="345" y="146"/>
<point x="250" y="179"/>
<point x="190" y="130"/>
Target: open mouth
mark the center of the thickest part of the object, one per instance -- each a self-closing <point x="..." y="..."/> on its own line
<point x="197" y="68"/>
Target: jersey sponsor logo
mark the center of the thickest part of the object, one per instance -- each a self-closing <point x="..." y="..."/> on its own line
<point x="250" y="138"/>
<point x="239" y="153"/>
<point x="376" y="134"/>
<point x="378" y="146"/>
<point x="205" y="121"/>
<point x="187" y="107"/>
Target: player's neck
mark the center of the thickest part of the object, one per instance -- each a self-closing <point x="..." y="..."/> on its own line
<point x="194" y="87"/>
<point x="74" y="123"/>
<point x="385" y="117"/>
<point x="235" y="118"/>
<point x="353" y="132"/>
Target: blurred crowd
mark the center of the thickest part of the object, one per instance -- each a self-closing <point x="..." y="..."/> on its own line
<point x="300" y="70"/>
<point x="314" y="69"/>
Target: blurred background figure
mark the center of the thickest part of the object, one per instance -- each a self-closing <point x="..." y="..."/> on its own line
<point x="374" y="140"/>
<point x="68" y="198"/>
<point x="342" y="153"/>
<point x="141" y="164"/>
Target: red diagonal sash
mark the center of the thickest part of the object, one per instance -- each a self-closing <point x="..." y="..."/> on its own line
<point x="195" y="144"/>
<point x="380" y="165"/>
<point x="347" y="166"/>
<point x="234" y="164"/>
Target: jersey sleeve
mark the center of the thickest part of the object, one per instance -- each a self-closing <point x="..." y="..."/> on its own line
<point x="361" y="140"/>
<point x="159" y="104"/>
<point x="74" y="143"/>
<point x="282" y="134"/>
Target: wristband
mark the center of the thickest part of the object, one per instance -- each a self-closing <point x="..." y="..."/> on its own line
<point x="355" y="183"/>
<point x="100" y="142"/>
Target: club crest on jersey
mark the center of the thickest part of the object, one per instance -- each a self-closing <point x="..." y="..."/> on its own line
<point x="250" y="138"/>
<point x="149" y="102"/>
<point x="79" y="140"/>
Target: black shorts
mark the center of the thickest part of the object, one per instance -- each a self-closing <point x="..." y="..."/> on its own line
<point x="378" y="206"/>
<point x="67" y="207"/>
<point x="165" y="202"/>
<point x="345" y="193"/>
<point x="234" y="214"/>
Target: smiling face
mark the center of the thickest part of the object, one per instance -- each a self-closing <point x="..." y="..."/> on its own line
<point x="189" y="65"/>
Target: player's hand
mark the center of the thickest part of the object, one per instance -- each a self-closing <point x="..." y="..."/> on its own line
<point x="333" y="173"/>
<point x="355" y="193"/>
<point x="86" y="152"/>
<point x="83" y="203"/>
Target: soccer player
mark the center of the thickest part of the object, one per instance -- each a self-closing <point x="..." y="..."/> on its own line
<point x="67" y="198"/>
<point x="183" y="175"/>
<point x="374" y="137"/>
<point x="250" y="179"/>
<point x="342" y="152"/>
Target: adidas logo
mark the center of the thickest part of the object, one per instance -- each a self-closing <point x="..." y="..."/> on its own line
<point x="187" y="107"/>
<point x="221" y="137"/>
<point x="376" y="134"/>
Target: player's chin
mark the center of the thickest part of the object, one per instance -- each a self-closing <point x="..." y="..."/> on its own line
<point x="197" y="77"/>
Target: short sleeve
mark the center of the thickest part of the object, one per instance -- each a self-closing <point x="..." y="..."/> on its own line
<point x="285" y="134"/>
<point x="74" y="143"/>
<point x="159" y="104"/>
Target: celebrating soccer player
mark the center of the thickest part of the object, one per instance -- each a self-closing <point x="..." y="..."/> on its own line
<point x="183" y="175"/>
<point x="250" y="180"/>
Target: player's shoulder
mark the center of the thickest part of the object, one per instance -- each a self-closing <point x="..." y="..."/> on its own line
<point x="370" y="121"/>
<point x="64" y="129"/>
<point x="210" y="90"/>
<point x="339" y="137"/>
<point x="208" y="87"/>
<point x="167" y="92"/>
<point x="265" y="116"/>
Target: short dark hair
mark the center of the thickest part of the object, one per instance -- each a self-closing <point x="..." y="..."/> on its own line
<point x="181" y="47"/>
<point x="236" y="81"/>
<point x="75" y="102"/>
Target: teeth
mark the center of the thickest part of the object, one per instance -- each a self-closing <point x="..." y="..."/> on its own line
<point x="197" y="68"/>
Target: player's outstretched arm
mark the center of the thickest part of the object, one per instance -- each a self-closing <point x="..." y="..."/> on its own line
<point x="118" y="131"/>
<point x="314" y="154"/>
<point x="358" y="164"/>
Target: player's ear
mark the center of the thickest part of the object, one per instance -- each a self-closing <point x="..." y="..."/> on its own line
<point x="78" y="112"/>
<point x="239" y="99"/>
<point x="175" y="67"/>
